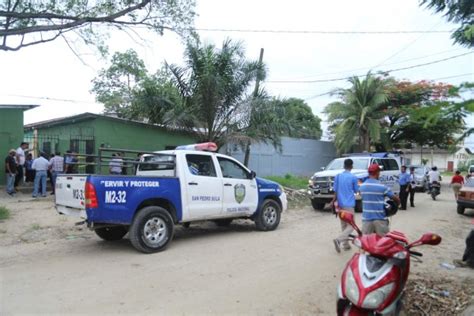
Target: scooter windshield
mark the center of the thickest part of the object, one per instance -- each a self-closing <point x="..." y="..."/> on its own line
<point x="374" y="264"/>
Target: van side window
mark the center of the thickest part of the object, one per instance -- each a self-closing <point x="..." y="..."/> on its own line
<point x="201" y="165"/>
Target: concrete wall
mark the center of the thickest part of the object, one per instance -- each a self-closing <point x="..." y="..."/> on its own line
<point x="11" y="134"/>
<point x="301" y="157"/>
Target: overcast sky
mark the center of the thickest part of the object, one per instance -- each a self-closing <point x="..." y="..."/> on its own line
<point x="52" y="71"/>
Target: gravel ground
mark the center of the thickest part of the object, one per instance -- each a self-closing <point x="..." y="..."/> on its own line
<point x="50" y="266"/>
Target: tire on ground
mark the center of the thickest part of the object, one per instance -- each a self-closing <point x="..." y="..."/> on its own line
<point x="317" y="204"/>
<point x="223" y="222"/>
<point x="269" y="215"/>
<point x="460" y="209"/>
<point x="111" y="233"/>
<point x="152" y="229"/>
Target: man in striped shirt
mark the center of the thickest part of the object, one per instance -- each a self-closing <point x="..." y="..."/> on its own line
<point x="373" y="194"/>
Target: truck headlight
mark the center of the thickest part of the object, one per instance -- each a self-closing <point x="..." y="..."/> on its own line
<point x="374" y="299"/>
<point x="351" y="288"/>
<point x="310" y="182"/>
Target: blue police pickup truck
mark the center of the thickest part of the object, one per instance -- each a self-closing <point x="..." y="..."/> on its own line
<point x="170" y="188"/>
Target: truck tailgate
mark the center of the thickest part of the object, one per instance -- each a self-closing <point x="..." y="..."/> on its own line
<point x="69" y="193"/>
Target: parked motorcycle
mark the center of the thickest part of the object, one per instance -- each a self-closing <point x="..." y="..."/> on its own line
<point x="374" y="279"/>
<point x="435" y="189"/>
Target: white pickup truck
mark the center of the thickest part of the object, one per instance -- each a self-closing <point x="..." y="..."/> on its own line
<point x="170" y="187"/>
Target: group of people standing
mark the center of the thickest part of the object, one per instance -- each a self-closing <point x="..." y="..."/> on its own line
<point x="373" y="194"/>
<point x="21" y="167"/>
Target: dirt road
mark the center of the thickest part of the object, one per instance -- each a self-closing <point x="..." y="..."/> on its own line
<point x="49" y="266"/>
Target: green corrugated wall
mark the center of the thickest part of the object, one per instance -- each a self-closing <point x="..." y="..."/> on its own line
<point x="11" y="134"/>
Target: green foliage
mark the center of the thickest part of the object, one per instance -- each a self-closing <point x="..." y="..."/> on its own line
<point x="4" y="213"/>
<point x="290" y="181"/>
<point x="116" y="85"/>
<point x="413" y="113"/>
<point x="213" y="86"/>
<point x="30" y="22"/>
<point x="356" y="118"/>
<point x="302" y="123"/>
<point x="460" y="12"/>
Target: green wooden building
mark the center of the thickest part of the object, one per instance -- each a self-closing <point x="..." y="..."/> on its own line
<point x="86" y="133"/>
<point x="11" y="130"/>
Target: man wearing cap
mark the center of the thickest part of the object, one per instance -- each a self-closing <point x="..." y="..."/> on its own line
<point x="404" y="181"/>
<point x="345" y="187"/>
<point x="373" y="192"/>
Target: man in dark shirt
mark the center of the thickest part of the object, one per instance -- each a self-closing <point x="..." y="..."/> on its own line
<point x="11" y="171"/>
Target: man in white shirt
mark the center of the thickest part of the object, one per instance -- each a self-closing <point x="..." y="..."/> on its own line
<point x="56" y="165"/>
<point x="115" y="165"/>
<point x="20" y="163"/>
<point x="434" y="175"/>
<point x="41" y="165"/>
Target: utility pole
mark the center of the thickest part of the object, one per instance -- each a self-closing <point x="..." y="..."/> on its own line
<point x="255" y="94"/>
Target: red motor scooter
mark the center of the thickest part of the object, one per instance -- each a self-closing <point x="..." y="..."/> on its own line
<point x="374" y="279"/>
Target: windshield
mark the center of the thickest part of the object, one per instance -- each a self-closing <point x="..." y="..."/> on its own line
<point x="157" y="162"/>
<point x="420" y="171"/>
<point x="469" y="183"/>
<point x="359" y="163"/>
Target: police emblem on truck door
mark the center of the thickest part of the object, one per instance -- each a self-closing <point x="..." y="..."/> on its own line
<point x="239" y="192"/>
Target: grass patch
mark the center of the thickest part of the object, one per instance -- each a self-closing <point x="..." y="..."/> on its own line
<point x="4" y="213"/>
<point x="35" y="226"/>
<point x="291" y="181"/>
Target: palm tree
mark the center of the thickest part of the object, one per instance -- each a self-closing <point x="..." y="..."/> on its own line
<point x="213" y="85"/>
<point x="356" y="119"/>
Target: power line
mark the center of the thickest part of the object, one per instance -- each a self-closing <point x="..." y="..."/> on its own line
<point x="319" y="31"/>
<point x="50" y="99"/>
<point x="383" y="71"/>
<point x="392" y="63"/>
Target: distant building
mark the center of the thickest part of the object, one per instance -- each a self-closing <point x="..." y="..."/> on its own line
<point x="11" y="130"/>
<point x="86" y="133"/>
<point x="444" y="159"/>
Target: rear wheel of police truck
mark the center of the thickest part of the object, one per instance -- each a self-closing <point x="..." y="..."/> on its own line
<point x="152" y="229"/>
<point x="268" y="218"/>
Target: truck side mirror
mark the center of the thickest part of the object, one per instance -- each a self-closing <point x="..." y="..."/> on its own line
<point x="322" y="168"/>
<point x="253" y="174"/>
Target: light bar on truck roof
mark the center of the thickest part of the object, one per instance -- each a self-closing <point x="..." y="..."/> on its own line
<point x="200" y="147"/>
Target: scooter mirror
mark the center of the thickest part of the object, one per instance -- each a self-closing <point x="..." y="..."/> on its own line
<point x="430" y="239"/>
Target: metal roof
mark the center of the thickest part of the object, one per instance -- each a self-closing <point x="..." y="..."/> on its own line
<point x="83" y="117"/>
<point x="23" y="107"/>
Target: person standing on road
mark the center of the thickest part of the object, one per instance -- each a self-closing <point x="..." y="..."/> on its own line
<point x="115" y="165"/>
<point x="56" y="165"/>
<point x="29" y="172"/>
<point x="373" y="192"/>
<point x="10" y="171"/>
<point x="404" y="182"/>
<point x="468" y="256"/>
<point x="412" y="186"/>
<point x="20" y="162"/>
<point x="345" y="188"/>
<point x="41" y="166"/>
<point x="456" y="183"/>
<point x="434" y="176"/>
